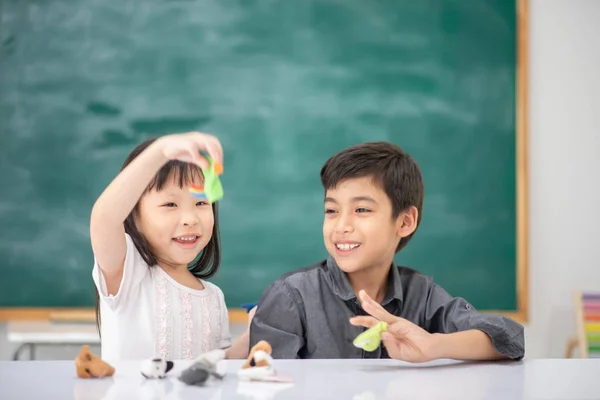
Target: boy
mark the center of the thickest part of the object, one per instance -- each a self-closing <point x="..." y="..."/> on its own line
<point x="373" y="202"/>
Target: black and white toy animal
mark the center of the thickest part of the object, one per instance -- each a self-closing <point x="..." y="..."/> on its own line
<point x="156" y="368"/>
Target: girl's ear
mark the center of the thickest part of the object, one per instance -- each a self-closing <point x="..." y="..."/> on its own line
<point x="406" y="223"/>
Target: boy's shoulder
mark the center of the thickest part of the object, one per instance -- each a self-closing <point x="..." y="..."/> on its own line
<point x="311" y="278"/>
<point x="303" y="278"/>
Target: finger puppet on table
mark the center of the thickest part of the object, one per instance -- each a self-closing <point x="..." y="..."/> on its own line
<point x="259" y="365"/>
<point x="156" y="368"/>
<point x="202" y="368"/>
<point x="88" y="365"/>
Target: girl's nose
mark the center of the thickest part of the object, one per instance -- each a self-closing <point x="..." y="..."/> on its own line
<point x="190" y="219"/>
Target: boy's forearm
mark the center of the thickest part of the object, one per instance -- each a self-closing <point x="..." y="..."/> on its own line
<point x="466" y="345"/>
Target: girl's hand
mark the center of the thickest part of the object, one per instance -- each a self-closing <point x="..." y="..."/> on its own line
<point x="186" y="147"/>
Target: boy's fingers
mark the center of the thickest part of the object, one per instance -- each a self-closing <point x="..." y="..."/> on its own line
<point x="367" y="322"/>
<point x="386" y="340"/>
<point x="375" y="309"/>
<point x="400" y="326"/>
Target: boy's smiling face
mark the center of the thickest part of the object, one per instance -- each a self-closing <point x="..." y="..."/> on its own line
<point x="359" y="229"/>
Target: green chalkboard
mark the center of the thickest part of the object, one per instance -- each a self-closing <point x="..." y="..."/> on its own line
<point x="284" y="84"/>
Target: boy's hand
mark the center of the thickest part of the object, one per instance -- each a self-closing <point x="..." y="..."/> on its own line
<point x="186" y="147"/>
<point x="403" y="340"/>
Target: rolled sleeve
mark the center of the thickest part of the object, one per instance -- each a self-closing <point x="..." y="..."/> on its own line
<point x="447" y="314"/>
<point x="278" y="320"/>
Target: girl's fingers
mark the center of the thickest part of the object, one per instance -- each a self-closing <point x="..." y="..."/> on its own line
<point x="196" y="157"/>
<point x="211" y="144"/>
<point x="213" y="150"/>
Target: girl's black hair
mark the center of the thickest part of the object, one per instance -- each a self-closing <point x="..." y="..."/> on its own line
<point x="210" y="259"/>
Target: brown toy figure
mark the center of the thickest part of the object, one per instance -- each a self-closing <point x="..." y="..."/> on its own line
<point x="259" y="365"/>
<point x="264" y="348"/>
<point x="89" y="365"/>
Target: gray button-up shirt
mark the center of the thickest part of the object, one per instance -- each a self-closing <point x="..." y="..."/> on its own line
<point x="305" y="313"/>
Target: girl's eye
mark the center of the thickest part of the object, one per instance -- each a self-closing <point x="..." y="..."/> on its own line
<point x="169" y="205"/>
<point x="329" y="211"/>
<point x="202" y="203"/>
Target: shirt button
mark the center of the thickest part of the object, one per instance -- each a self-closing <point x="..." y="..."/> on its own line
<point x="468" y="307"/>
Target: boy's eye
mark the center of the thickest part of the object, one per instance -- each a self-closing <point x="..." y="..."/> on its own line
<point x="169" y="205"/>
<point x="362" y="210"/>
<point x="329" y="211"/>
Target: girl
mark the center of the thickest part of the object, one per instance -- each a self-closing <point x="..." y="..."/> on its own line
<point x="154" y="244"/>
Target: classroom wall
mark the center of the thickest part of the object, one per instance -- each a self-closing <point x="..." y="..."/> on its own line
<point x="564" y="160"/>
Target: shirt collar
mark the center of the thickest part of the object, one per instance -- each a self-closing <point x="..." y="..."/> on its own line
<point x="341" y="286"/>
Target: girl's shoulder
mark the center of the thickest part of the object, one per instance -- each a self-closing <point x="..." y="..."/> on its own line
<point x="211" y="287"/>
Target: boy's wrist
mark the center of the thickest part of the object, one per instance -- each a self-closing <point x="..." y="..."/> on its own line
<point x="439" y="348"/>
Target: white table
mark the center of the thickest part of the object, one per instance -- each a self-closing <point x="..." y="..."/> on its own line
<point x="29" y="334"/>
<point x="319" y="379"/>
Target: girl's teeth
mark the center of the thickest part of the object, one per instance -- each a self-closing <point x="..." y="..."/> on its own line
<point x="187" y="238"/>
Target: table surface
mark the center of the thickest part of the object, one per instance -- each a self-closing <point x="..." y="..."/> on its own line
<point x="319" y="379"/>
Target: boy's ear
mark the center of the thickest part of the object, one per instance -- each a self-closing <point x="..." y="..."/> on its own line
<point x="406" y="223"/>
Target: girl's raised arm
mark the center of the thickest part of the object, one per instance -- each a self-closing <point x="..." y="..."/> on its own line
<point x="107" y="232"/>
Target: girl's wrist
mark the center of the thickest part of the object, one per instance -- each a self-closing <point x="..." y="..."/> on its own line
<point x="156" y="152"/>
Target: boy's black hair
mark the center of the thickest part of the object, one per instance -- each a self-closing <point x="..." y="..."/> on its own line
<point x="390" y="167"/>
<point x="210" y="259"/>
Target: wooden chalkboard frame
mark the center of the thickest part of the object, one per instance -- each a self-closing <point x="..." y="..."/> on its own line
<point x="521" y="314"/>
<point x="522" y="178"/>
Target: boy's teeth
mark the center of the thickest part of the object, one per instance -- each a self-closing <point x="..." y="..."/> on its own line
<point x="346" y="246"/>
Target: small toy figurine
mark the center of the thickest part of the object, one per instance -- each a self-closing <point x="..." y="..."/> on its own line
<point x="258" y="365"/>
<point x="370" y="339"/>
<point x="260" y="355"/>
<point x="212" y="189"/>
<point x="202" y="368"/>
<point x="89" y="365"/>
<point x="195" y="375"/>
<point x="156" y="368"/>
<point x="210" y="361"/>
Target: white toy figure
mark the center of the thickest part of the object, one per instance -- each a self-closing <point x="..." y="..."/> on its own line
<point x="156" y="368"/>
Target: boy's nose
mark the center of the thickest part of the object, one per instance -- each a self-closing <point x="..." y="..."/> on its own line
<point x="344" y="225"/>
